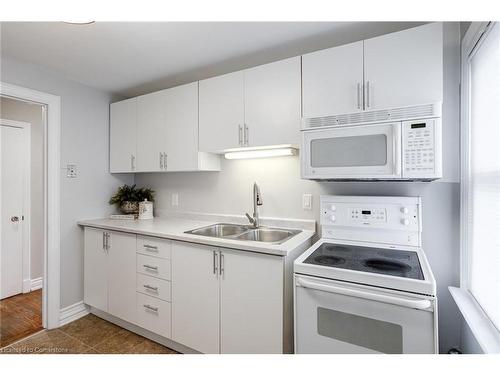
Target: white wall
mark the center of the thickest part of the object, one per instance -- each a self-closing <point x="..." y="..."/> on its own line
<point x="29" y="112"/>
<point x="85" y="142"/>
<point x="230" y="192"/>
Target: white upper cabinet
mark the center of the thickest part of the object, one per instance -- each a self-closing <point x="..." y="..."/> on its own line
<point x="151" y="131"/>
<point x="272" y="103"/>
<point x="332" y="81"/>
<point x="222" y="112"/>
<point x="250" y="108"/>
<point x="181" y="119"/>
<point x="404" y="68"/>
<point x="123" y="136"/>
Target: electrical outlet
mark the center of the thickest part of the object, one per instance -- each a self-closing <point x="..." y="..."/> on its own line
<point x="71" y="171"/>
<point x="307" y="201"/>
<point x="175" y="199"/>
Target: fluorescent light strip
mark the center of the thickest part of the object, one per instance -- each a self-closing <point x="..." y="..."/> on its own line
<point x="254" y="154"/>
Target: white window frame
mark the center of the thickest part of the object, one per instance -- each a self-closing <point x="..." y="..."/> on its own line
<point x="486" y="334"/>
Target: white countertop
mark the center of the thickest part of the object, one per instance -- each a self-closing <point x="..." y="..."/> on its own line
<point x="174" y="227"/>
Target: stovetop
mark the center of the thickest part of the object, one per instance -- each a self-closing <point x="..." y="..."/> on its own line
<point x="399" y="263"/>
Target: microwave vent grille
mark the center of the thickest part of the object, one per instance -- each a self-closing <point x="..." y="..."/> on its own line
<point x="404" y="113"/>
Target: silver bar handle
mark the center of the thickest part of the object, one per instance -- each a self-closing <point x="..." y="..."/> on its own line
<point x="367" y="94"/>
<point x="165" y="161"/>
<point x="107" y="240"/>
<point x="240" y="135"/>
<point x="221" y="267"/>
<point x="245" y="135"/>
<point x="148" y="267"/>
<point x="155" y="288"/>
<point x="161" y="160"/>
<point x="151" y="248"/>
<point x="359" y="95"/>
<point x="104" y="240"/>
<point x="149" y="307"/>
<point x="216" y="270"/>
<point x="132" y="161"/>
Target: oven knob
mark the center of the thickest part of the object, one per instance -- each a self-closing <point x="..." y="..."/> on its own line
<point x="404" y="210"/>
<point x="332" y="217"/>
<point x="405" y="221"/>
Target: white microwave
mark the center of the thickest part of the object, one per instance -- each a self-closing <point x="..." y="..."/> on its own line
<point x="402" y="150"/>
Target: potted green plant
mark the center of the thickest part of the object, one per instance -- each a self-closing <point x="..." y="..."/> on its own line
<point x="127" y="198"/>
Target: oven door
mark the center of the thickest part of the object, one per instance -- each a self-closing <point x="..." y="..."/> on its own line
<point x="342" y="318"/>
<point x="354" y="152"/>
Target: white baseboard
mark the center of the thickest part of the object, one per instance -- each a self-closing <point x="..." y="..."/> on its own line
<point x="36" y="283"/>
<point x="72" y="312"/>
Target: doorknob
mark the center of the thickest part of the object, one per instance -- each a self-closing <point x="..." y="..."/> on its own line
<point x="14" y="219"/>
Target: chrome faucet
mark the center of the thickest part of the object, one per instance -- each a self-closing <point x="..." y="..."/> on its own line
<point x="257" y="201"/>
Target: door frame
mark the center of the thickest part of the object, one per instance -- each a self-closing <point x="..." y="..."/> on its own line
<point x="26" y="220"/>
<point x="52" y="153"/>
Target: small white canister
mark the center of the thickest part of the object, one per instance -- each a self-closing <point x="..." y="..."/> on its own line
<point x="145" y="210"/>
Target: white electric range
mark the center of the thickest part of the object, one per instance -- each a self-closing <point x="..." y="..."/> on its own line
<point x="366" y="285"/>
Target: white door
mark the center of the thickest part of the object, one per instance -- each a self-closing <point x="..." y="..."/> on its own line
<point x="181" y="128"/>
<point x="332" y="81"/>
<point x="273" y="103"/>
<point x="222" y="112"/>
<point x="370" y="151"/>
<point x="12" y="149"/>
<point x="123" y="136"/>
<point x="95" y="269"/>
<point x="151" y="131"/>
<point x="404" y="68"/>
<point x="195" y="296"/>
<point x="251" y="307"/>
<point x="121" y="275"/>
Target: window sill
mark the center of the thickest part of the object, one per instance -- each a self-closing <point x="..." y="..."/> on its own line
<point x="486" y="334"/>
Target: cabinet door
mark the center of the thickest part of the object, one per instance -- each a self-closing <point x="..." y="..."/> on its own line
<point x="195" y="297"/>
<point x="332" y="81"/>
<point x="221" y="112"/>
<point x="151" y="131"/>
<point x="123" y="136"/>
<point x="182" y="128"/>
<point x="404" y="68"/>
<point x="251" y="303"/>
<point x="122" y="275"/>
<point x="95" y="272"/>
<point x="272" y="103"/>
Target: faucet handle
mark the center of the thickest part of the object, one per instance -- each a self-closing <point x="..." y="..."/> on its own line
<point x="250" y="219"/>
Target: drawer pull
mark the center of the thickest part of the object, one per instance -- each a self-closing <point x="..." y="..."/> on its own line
<point x="149" y="287"/>
<point x="151" y="248"/>
<point x="149" y="307"/>
<point x="150" y="268"/>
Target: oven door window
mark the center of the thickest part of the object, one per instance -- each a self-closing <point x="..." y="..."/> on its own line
<point x="356" y="151"/>
<point x="378" y="335"/>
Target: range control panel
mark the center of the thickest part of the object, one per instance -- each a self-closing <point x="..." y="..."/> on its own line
<point x="421" y="148"/>
<point x="391" y="220"/>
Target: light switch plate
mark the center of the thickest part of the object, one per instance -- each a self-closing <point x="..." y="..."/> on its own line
<point x="71" y="171"/>
<point x="175" y="199"/>
<point x="307" y="201"/>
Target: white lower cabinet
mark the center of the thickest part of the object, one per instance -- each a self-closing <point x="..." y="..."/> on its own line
<point x="227" y="301"/>
<point x="154" y="315"/>
<point x="109" y="270"/>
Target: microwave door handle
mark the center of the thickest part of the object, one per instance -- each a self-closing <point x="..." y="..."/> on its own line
<point x="405" y="302"/>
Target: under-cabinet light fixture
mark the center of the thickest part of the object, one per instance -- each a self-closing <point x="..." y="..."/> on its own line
<point x="265" y="153"/>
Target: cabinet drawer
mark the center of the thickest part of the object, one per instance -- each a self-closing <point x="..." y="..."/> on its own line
<point x="154" y="287"/>
<point x="154" y="315"/>
<point x="156" y="247"/>
<point x="153" y="266"/>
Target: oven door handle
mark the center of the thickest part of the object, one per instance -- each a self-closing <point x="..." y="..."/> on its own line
<point x="405" y="302"/>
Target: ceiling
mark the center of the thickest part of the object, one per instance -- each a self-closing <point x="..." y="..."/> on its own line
<point x="132" y="58"/>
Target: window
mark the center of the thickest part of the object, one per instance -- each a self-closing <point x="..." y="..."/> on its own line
<point x="481" y="171"/>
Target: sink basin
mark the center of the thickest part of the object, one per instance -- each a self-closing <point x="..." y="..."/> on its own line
<point x="245" y="233"/>
<point x="219" y="230"/>
<point x="267" y="235"/>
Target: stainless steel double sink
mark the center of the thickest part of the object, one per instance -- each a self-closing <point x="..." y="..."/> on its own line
<point x="245" y="233"/>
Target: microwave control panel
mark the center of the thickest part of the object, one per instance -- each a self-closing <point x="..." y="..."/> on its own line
<point x="421" y="148"/>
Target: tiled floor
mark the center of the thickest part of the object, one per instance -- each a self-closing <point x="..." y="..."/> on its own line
<point x="20" y="316"/>
<point x="88" y="335"/>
